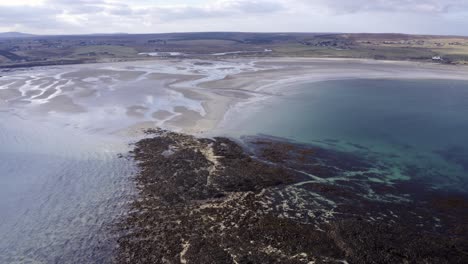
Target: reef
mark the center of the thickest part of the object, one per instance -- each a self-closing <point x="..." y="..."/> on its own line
<point x="269" y="200"/>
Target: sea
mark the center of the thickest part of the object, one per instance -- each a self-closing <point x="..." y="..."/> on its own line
<point x="417" y="128"/>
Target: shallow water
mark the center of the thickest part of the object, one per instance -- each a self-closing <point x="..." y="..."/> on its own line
<point x="417" y="128"/>
<point x="62" y="184"/>
<point x="60" y="191"/>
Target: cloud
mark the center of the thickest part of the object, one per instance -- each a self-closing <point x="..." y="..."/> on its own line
<point x="223" y="8"/>
<point x="407" y="6"/>
<point x="21" y="2"/>
<point x="253" y="6"/>
<point x="27" y="15"/>
<point x="100" y="16"/>
<point x="34" y="13"/>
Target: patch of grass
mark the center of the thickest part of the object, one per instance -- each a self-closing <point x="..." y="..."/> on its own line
<point x="453" y="49"/>
<point x="3" y="59"/>
<point x="105" y="50"/>
<point x="355" y="52"/>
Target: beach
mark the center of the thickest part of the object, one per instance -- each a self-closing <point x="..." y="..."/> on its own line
<point x="186" y="95"/>
<point x="78" y="142"/>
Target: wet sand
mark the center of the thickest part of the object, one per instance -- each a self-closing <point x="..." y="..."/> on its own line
<point x="184" y="95"/>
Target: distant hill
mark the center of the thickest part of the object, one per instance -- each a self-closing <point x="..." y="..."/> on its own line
<point x="15" y="35"/>
<point x="22" y="50"/>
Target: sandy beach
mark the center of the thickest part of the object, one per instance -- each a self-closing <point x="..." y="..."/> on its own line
<point x="185" y="95"/>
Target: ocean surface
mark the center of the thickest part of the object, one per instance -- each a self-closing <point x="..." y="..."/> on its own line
<point x="60" y="191"/>
<point x="418" y="128"/>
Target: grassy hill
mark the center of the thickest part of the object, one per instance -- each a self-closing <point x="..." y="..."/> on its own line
<point x="14" y="35"/>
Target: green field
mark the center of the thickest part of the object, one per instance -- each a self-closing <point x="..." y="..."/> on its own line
<point x="41" y="50"/>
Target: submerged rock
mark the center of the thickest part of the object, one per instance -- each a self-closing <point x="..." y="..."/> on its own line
<point x="267" y="200"/>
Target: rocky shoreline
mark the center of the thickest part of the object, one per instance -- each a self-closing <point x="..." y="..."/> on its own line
<point x="268" y="200"/>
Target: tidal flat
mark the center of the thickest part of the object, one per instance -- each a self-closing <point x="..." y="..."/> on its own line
<point x="209" y="181"/>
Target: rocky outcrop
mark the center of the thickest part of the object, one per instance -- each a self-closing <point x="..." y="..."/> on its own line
<point x="266" y="200"/>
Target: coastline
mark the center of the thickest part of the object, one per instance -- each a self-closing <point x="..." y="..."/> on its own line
<point x="194" y="201"/>
<point x="207" y="200"/>
<point x="195" y="97"/>
<point x="220" y="86"/>
<point x="202" y="194"/>
<point x="261" y="85"/>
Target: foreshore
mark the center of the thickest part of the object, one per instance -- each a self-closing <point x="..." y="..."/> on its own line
<point x="191" y="96"/>
<point x="263" y="199"/>
<point x="275" y="77"/>
<point x="253" y="200"/>
<point x="268" y="200"/>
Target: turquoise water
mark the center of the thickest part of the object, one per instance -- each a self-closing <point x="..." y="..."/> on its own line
<point x="419" y="129"/>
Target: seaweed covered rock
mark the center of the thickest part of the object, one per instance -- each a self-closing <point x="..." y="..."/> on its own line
<point x="266" y="200"/>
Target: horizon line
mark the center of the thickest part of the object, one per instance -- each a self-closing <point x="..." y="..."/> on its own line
<point x="239" y="32"/>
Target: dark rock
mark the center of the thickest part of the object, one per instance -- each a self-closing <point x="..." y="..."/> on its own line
<point x="276" y="201"/>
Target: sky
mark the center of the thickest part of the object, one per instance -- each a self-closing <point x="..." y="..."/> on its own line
<point x="438" y="17"/>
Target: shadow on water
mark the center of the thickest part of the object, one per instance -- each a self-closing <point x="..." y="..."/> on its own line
<point x="455" y="154"/>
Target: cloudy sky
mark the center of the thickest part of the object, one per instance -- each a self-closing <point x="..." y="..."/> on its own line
<point x="148" y="16"/>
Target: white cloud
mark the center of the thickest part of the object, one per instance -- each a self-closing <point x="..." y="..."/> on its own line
<point x="91" y="16"/>
<point x="21" y="2"/>
<point x="416" y="6"/>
